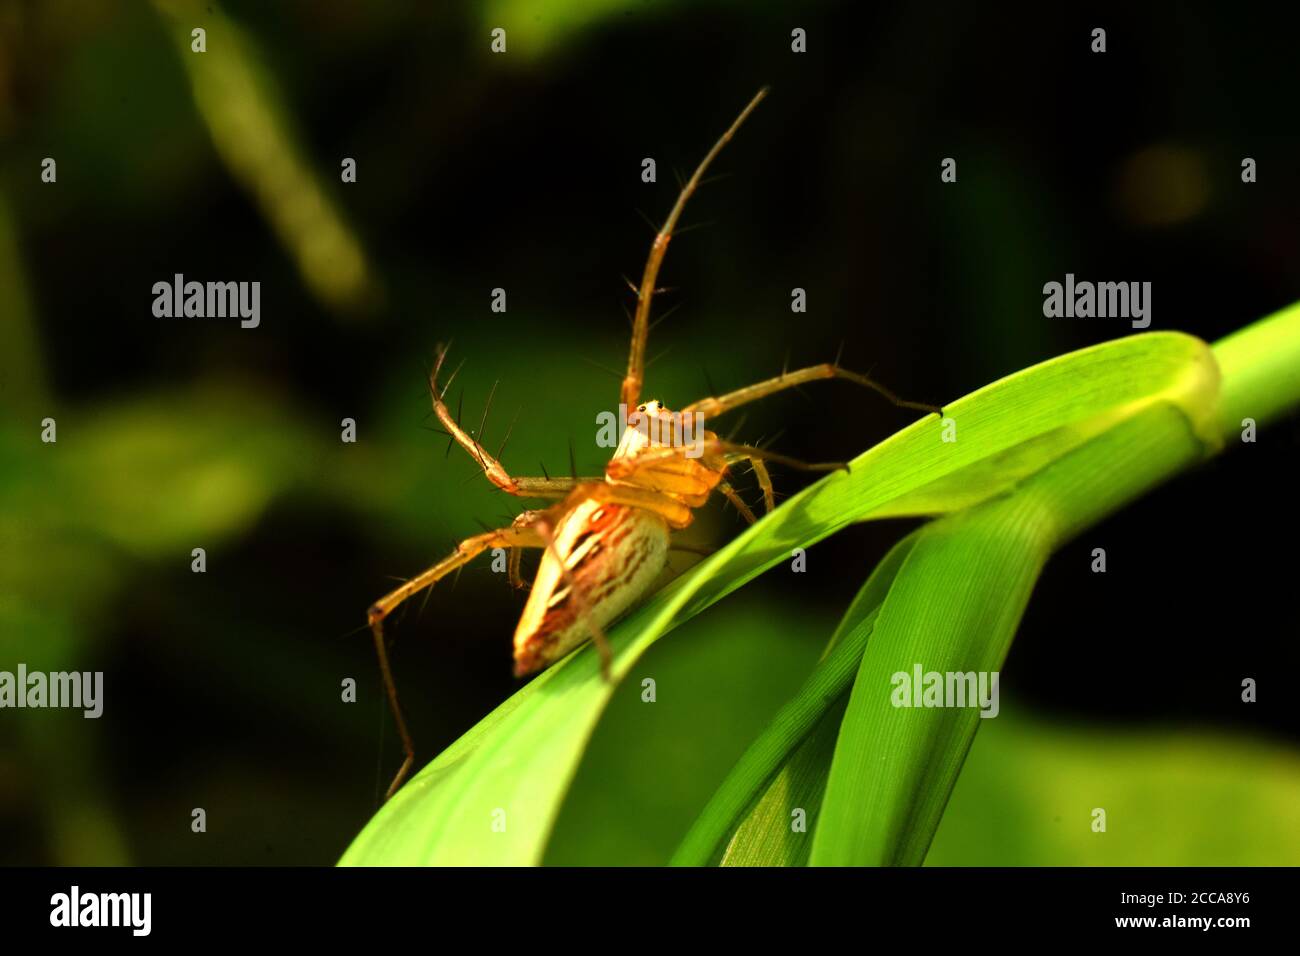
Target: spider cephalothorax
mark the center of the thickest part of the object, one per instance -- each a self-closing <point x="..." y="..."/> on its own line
<point x="605" y="539"/>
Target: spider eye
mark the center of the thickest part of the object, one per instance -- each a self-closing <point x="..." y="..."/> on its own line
<point x="641" y="408"/>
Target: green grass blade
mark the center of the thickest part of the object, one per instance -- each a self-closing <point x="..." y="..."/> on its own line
<point x="1261" y="372"/>
<point x="705" y="842"/>
<point x="767" y="834"/>
<point x="954" y="607"/>
<point x="1260" y="365"/>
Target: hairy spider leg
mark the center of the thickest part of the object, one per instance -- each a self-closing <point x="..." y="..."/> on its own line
<point x="712" y="407"/>
<point x="521" y="534"/>
<point x="528" y="487"/>
<point x="631" y="390"/>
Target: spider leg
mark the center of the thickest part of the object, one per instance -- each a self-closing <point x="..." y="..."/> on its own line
<point x="668" y="506"/>
<point x="711" y="407"/>
<point x="522" y="533"/>
<point x="513" y="567"/>
<point x="631" y="391"/>
<point x="764" y="481"/>
<point x="522" y="487"/>
<point x="729" y="493"/>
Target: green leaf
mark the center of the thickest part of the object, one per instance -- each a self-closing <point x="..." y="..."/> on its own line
<point x="906" y="782"/>
<point x="789" y="729"/>
<point x="648" y="768"/>
<point x="520" y="759"/>
<point x="954" y="608"/>
<point x="766" y="835"/>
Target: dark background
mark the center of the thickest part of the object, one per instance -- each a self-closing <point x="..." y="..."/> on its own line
<point x="523" y="171"/>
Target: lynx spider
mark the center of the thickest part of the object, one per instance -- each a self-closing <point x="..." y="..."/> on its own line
<point x="606" y="539"/>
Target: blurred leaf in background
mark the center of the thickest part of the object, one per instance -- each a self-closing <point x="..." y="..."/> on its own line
<point x="254" y="136"/>
<point x="1173" y="797"/>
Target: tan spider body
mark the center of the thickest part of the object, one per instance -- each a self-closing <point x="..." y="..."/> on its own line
<point x="611" y="554"/>
<point x="605" y="540"/>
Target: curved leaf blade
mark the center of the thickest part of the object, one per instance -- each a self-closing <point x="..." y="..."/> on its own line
<point x="953" y="608"/>
<point x="704" y="844"/>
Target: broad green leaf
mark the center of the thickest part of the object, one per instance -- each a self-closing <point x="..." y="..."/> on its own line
<point x="520" y="759"/>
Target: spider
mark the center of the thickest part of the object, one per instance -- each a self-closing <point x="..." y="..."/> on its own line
<point x="605" y="540"/>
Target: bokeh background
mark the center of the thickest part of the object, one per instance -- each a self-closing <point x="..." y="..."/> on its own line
<point x="522" y="171"/>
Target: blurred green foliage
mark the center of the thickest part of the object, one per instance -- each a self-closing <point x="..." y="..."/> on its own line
<point x="1190" y="796"/>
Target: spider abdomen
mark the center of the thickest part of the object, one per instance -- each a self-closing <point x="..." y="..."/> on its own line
<point x="603" y="558"/>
